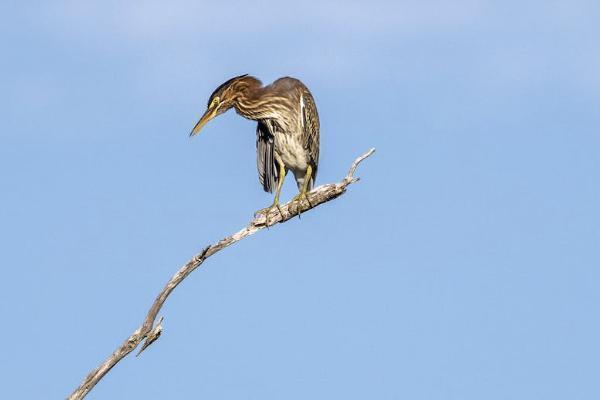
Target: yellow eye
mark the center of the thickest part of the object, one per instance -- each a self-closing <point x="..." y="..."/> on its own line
<point x="215" y="102"/>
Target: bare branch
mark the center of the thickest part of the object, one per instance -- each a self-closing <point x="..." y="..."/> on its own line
<point x="151" y="332"/>
<point x="350" y="176"/>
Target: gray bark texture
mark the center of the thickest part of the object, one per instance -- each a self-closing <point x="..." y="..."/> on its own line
<point x="149" y="331"/>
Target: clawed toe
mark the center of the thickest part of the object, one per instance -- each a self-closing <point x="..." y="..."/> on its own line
<point x="297" y="201"/>
<point x="267" y="211"/>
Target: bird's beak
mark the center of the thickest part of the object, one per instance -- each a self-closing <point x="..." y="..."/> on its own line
<point x="208" y="115"/>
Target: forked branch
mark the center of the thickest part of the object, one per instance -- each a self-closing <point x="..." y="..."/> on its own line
<point x="149" y="331"/>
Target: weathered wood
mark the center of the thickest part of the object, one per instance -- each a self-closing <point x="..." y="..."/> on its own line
<point x="150" y="331"/>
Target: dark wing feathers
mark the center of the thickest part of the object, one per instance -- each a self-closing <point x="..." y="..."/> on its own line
<point x="311" y="131"/>
<point x="268" y="170"/>
<point x="265" y="159"/>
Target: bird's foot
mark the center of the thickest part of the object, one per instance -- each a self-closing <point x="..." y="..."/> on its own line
<point x="297" y="201"/>
<point x="267" y="211"/>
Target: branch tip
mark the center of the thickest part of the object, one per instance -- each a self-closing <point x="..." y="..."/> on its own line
<point x="350" y="175"/>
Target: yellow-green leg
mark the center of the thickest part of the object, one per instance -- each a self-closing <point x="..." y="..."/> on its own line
<point x="302" y="195"/>
<point x="266" y="211"/>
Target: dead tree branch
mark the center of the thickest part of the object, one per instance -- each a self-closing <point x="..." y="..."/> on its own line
<point x="150" y="331"/>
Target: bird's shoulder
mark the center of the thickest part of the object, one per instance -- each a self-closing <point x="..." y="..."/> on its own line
<point x="288" y="84"/>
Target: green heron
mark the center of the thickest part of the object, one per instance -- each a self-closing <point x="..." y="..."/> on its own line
<point x="287" y="134"/>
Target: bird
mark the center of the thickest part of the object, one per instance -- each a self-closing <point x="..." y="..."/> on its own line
<point x="287" y="130"/>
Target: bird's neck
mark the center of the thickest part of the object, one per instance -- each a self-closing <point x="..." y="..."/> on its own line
<point x="250" y="99"/>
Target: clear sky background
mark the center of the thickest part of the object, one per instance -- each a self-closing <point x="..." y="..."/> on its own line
<point x="464" y="265"/>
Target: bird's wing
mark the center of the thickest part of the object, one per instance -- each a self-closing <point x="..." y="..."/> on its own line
<point x="310" y="134"/>
<point x="265" y="159"/>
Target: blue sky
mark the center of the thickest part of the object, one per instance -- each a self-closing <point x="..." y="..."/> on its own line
<point x="464" y="265"/>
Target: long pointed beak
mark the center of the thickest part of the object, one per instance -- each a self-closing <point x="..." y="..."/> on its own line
<point x="208" y="115"/>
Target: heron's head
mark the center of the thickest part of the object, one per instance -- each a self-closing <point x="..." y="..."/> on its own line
<point x="221" y="100"/>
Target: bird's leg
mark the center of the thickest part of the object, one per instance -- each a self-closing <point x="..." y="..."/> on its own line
<point x="266" y="211"/>
<point x="302" y="195"/>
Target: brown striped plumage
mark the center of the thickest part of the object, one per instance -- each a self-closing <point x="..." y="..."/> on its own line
<point x="287" y="133"/>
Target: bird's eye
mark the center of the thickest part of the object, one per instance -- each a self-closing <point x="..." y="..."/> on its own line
<point x="214" y="102"/>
